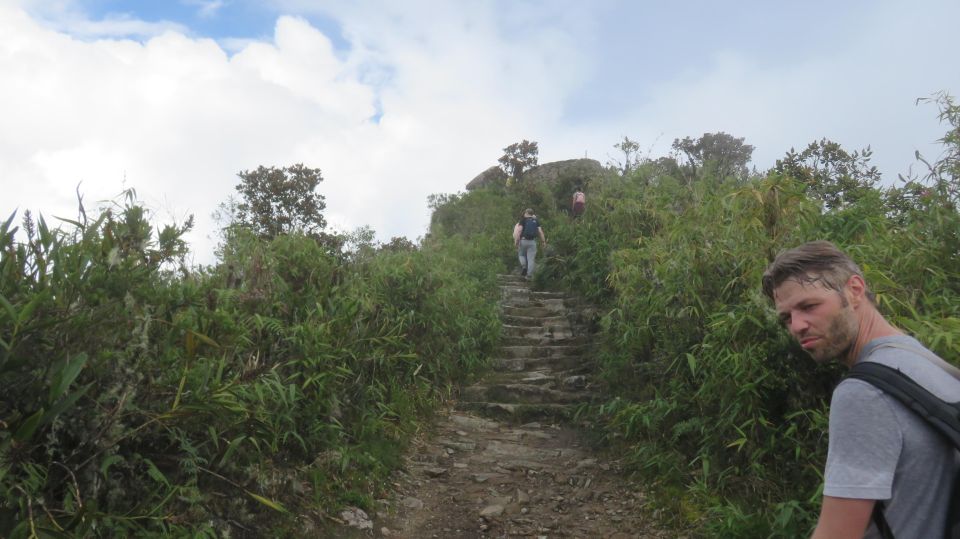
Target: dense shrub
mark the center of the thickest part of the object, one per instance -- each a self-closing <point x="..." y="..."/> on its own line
<point x="145" y="399"/>
<point x="709" y="398"/>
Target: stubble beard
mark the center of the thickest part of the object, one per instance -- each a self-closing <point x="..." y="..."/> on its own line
<point x="840" y="337"/>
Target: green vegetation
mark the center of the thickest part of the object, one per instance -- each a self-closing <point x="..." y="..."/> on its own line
<point x="278" y="201"/>
<point x="709" y="399"/>
<point x="519" y="157"/>
<point x="143" y="398"/>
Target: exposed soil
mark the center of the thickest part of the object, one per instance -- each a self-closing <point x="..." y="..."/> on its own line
<point x="479" y="478"/>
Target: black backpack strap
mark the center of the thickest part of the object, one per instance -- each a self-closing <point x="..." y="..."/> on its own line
<point x="944" y="417"/>
<point x="880" y="522"/>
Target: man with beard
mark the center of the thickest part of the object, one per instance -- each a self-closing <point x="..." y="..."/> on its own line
<point x="885" y="465"/>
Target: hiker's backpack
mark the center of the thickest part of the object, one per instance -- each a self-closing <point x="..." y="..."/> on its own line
<point x="530" y="226"/>
<point x="943" y="416"/>
<point x="579" y="198"/>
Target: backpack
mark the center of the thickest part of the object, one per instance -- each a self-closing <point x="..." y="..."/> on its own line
<point x="579" y="197"/>
<point x="530" y="227"/>
<point x="943" y="416"/>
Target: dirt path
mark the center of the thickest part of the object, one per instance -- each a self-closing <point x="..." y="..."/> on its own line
<point x="479" y="478"/>
<point x="502" y="463"/>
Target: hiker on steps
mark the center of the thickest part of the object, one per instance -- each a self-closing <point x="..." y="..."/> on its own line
<point x="525" y="234"/>
<point x="578" y="203"/>
<point x="886" y="465"/>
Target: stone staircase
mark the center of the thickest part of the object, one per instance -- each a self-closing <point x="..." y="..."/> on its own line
<point x="541" y="372"/>
<point x="526" y="474"/>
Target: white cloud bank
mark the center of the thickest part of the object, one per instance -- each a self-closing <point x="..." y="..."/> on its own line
<point x="176" y="117"/>
<point x="424" y="99"/>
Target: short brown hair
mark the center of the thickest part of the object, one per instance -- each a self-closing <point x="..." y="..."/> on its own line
<point x="816" y="261"/>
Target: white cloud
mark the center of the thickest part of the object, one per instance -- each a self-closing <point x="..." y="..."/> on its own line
<point x="173" y="117"/>
<point x="859" y="94"/>
<point x="177" y="117"/>
<point x="425" y="96"/>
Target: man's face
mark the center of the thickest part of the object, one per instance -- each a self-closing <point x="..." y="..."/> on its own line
<point x="821" y="319"/>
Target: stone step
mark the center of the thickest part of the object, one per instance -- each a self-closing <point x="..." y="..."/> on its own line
<point x="558" y="366"/>
<point x="520" y="289"/>
<point x="546" y="332"/>
<point x="514" y="290"/>
<point x="545" y="296"/>
<point x="537" y="377"/>
<point x="529" y="364"/>
<point x="521" y="413"/>
<point x="534" y="311"/>
<point x="521" y="394"/>
<point x="544" y="365"/>
<point x="531" y="312"/>
<point x="508" y="340"/>
<point x="563" y="380"/>
<point x="549" y="332"/>
<point x="510" y="289"/>
<point x="554" y="305"/>
<point x="524" y="288"/>
<point x="521" y="293"/>
<point x="532" y="321"/>
<point x="545" y="351"/>
<point x="533" y="341"/>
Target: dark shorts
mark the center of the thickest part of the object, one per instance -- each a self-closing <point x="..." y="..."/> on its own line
<point x="578" y="209"/>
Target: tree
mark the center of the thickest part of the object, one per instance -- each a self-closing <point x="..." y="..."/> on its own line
<point x="935" y="191"/>
<point x="398" y="244"/>
<point x="831" y="174"/>
<point x="725" y="154"/>
<point x="944" y="174"/>
<point x="631" y="156"/>
<point x="280" y="200"/>
<point x="519" y="157"/>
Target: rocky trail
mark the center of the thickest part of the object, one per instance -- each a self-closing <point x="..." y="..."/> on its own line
<point x="505" y="460"/>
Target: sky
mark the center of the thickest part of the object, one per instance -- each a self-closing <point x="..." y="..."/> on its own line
<point x="395" y="101"/>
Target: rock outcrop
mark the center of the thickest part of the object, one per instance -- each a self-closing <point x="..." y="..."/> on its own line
<point x="586" y="170"/>
<point x="487" y="177"/>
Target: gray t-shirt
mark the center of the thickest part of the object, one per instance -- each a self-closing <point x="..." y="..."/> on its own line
<point x="880" y="450"/>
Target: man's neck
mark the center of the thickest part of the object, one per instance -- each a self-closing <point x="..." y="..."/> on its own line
<point x="872" y="326"/>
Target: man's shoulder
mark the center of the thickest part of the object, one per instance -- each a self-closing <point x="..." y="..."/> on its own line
<point x="855" y="393"/>
<point x="908" y="356"/>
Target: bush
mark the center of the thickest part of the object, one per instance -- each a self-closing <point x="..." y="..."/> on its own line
<point x="285" y="381"/>
<point x="707" y="393"/>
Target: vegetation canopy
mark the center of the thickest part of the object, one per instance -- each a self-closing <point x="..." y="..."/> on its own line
<point x="519" y="157"/>
<point x="278" y="201"/>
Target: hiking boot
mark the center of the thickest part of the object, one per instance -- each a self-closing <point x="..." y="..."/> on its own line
<point x="523" y="272"/>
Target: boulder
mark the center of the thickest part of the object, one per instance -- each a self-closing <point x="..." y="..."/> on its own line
<point x="487" y="177"/>
<point x="356" y="518"/>
<point x="586" y="170"/>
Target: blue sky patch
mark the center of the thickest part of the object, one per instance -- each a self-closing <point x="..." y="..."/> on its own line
<point x="216" y="19"/>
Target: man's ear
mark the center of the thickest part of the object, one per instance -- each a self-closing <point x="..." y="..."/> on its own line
<point x="856" y="289"/>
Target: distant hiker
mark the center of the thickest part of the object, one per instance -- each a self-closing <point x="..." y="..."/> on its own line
<point x="578" y="203"/>
<point x="888" y="472"/>
<point x="525" y="234"/>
